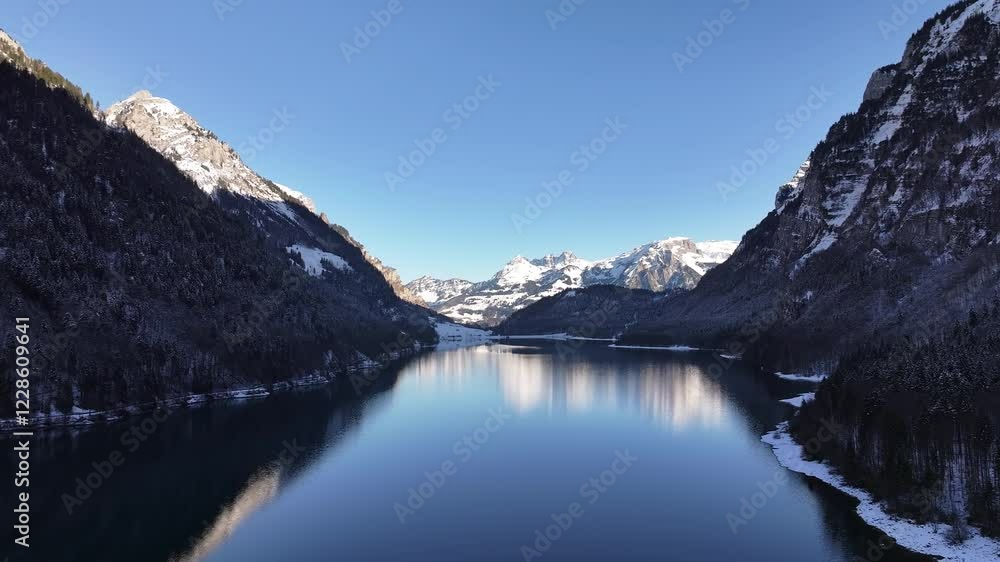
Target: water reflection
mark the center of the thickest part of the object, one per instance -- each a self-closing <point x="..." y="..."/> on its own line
<point x="674" y="394"/>
<point x="211" y="484"/>
<point x="262" y="488"/>
<point x="193" y="483"/>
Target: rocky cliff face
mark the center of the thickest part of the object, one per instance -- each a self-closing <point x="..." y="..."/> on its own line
<point x="893" y="226"/>
<point x="670" y="265"/>
<point x="790" y="190"/>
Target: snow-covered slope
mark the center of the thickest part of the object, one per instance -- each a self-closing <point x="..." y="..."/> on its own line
<point x="673" y="264"/>
<point x="197" y="152"/>
<point x="892" y="226"/>
<point x="433" y="291"/>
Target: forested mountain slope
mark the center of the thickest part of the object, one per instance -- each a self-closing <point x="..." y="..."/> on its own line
<point x="139" y="287"/>
<point x="598" y="311"/>
<point x="920" y="423"/>
<point x="287" y="216"/>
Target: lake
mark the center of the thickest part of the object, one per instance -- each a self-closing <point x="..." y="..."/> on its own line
<point x="498" y="452"/>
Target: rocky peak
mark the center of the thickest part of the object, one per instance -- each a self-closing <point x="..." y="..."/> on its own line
<point x="791" y="189"/>
<point x="216" y="168"/>
<point x="879" y="82"/>
<point x="559" y="261"/>
<point x="197" y="152"/>
<point x="518" y="271"/>
<point x="9" y="42"/>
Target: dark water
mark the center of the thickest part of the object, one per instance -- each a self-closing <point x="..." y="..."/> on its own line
<point x="418" y="471"/>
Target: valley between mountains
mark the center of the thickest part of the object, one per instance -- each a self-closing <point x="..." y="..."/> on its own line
<point x="165" y="268"/>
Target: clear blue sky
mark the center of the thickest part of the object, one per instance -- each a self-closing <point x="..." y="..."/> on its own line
<point x="452" y="216"/>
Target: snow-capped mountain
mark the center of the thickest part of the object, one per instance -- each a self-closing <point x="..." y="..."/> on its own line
<point x="432" y="291"/>
<point x="196" y="151"/>
<point x="283" y="213"/>
<point x="894" y="224"/>
<point x="673" y="264"/>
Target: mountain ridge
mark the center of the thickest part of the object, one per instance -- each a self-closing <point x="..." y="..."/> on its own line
<point x="893" y="225"/>
<point x="219" y="170"/>
<point x="669" y="265"/>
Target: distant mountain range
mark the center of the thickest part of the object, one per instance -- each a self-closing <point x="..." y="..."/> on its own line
<point x="671" y="265"/>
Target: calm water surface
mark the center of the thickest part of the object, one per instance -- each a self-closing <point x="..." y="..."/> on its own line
<point x="465" y="455"/>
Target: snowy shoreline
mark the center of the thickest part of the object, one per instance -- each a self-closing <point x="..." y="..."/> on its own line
<point x="929" y="538"/>
<point x="921" y="538"/>
<point x="553" y="337"/>
<point x="448" y="335"/>
<point x="661" y="347"/>
<point x="83" y="418"/>
<point x="798" y="401"/>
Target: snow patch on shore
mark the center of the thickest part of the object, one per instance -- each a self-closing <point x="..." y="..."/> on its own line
<point x="912" y="536"/>
<point x="798" y="401"/>
<point x="83" y="417"/>
<point x="800" y="378"/>
<point x="449" y="330"/>
<point x="555" y="337"/>
<point x="660" y="347"/>
<point x="454" y="336"/>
